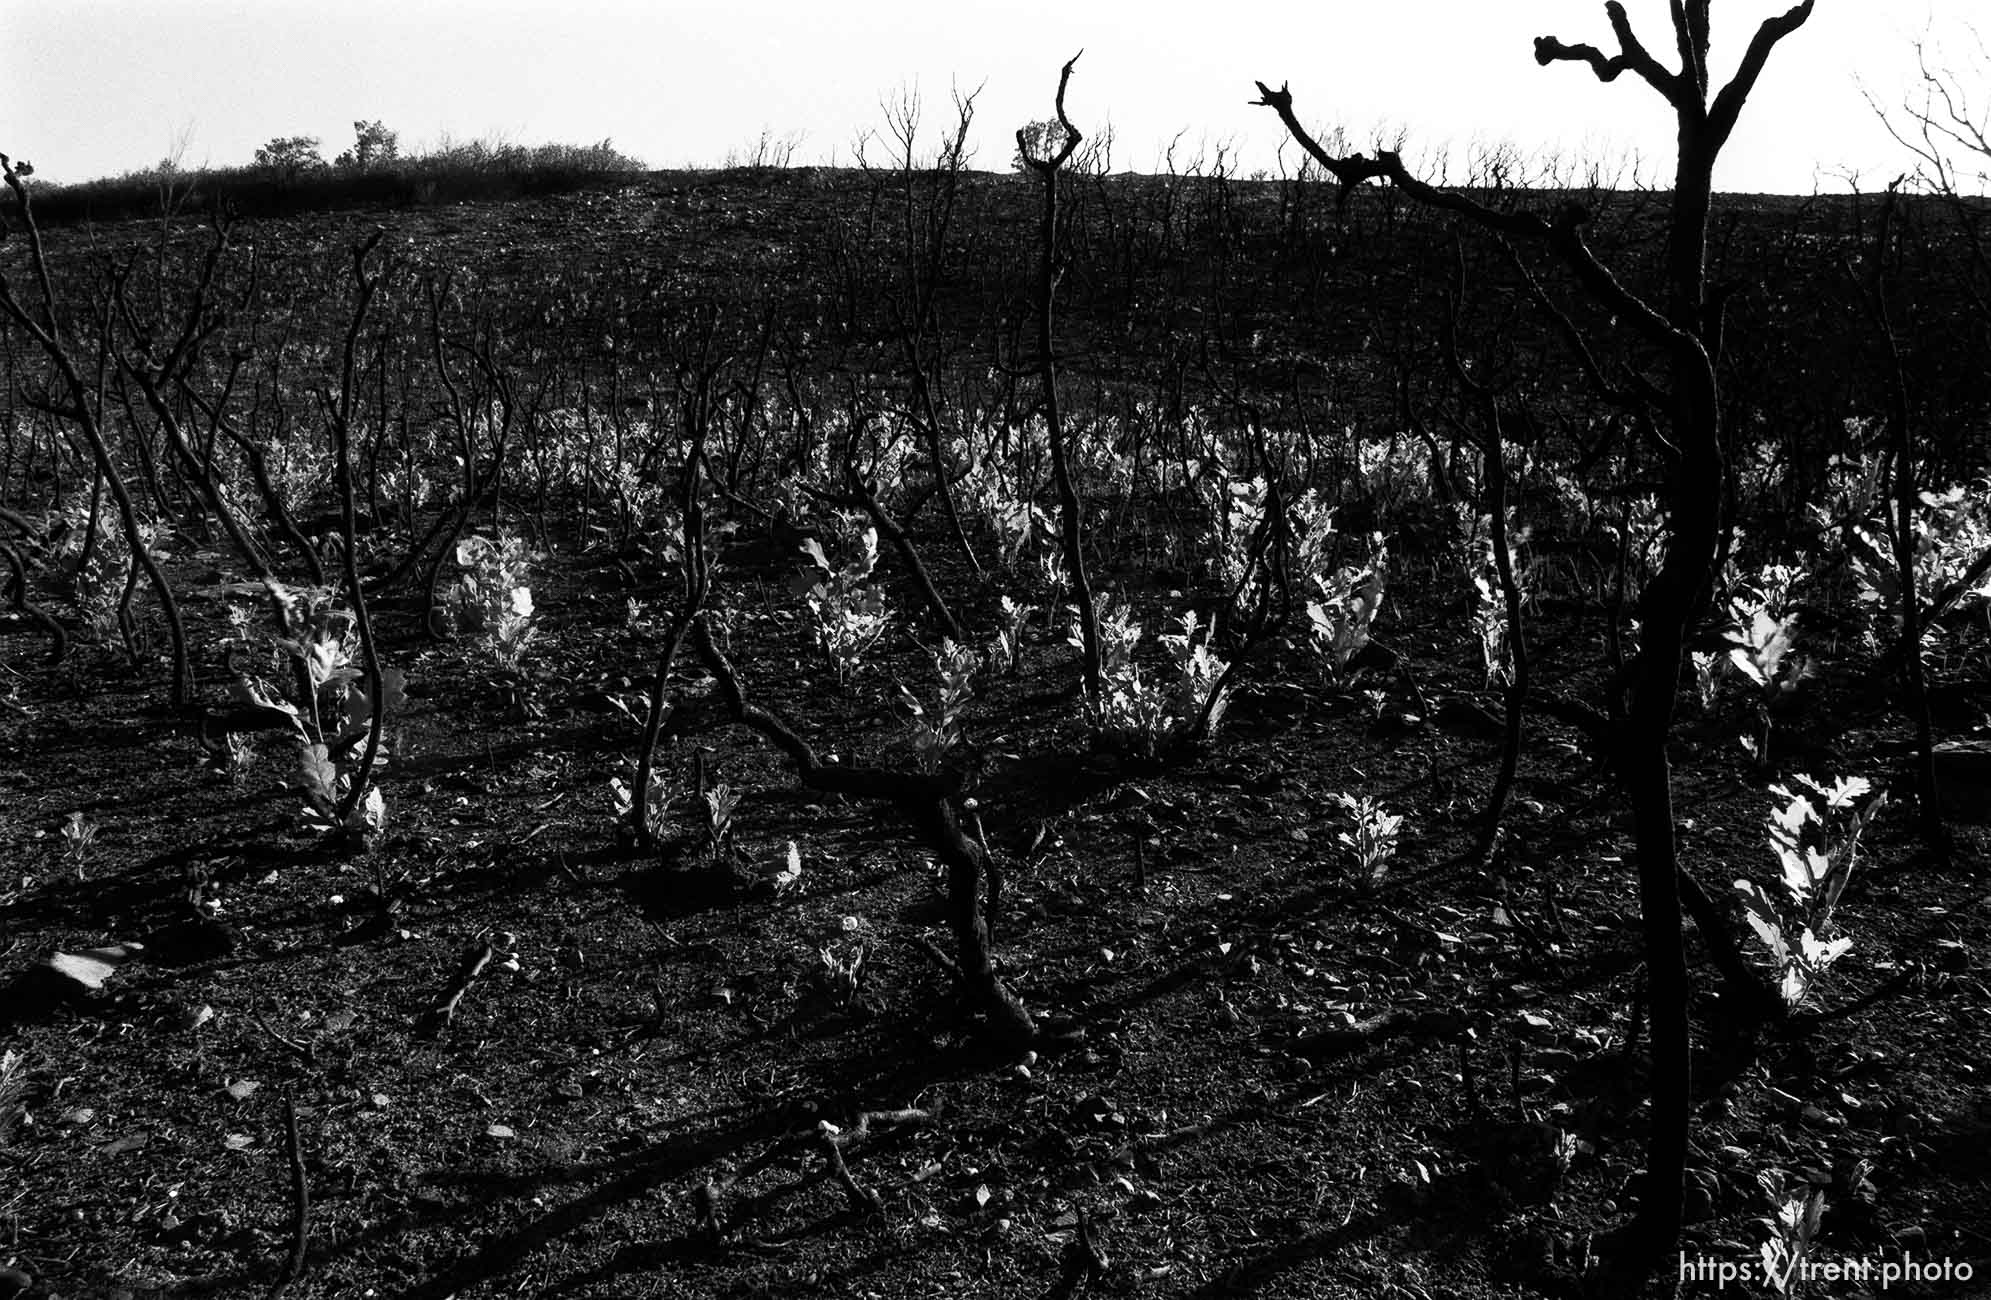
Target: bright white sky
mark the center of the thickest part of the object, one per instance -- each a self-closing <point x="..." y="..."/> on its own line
<point x="94" y="87"/>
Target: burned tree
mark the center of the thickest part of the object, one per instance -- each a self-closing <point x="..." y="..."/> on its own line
<point x="1070" y="513"/>
<point x="1681" y="339"/>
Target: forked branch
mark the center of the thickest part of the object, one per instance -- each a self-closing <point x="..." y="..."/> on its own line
<point x="927" y="803"/>
<point x="1564" y="234"/>
<point x="1690" y="29"/>
<point x="1687" y="89"/>
<point x="1632" y="56"/>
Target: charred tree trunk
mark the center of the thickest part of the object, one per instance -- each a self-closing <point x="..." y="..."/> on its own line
<point x="1070" y="512"/>
<point x="1687" y="339"/>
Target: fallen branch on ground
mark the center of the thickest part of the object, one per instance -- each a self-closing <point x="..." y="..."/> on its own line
<point x="438" y="1017"/>
<point x="300" y="1203"/>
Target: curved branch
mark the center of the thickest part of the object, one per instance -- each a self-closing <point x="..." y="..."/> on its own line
<point x="1728" y="104"/>
<point x="926" y="802"/>
<point x="1632" y="56"/>
<point x="1356" y="168"/>
<point x="18" y="587"/>
<point x="1629" y="399"/>
<point x="1564" y="234"/>
<point x="1072" y="136"/>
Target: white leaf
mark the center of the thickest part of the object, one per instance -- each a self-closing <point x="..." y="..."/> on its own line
<point x="1763" y="919"/>
<point x="792" y="871"/>
<point x="372" y="809"/>
<point x="1820" y="953"/>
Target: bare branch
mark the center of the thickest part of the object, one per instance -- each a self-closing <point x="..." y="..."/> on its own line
<point x="1935" y="170"/>
<point x="1630" y="399"/>
<point x="1564" y="234"/>
<point x="49" y="328"/>
<point x="1944" y="131"/>
<point x="300" y="1205"/>
<point x="1632" y="56"/>
<point x="1963" y="129"/>
<point x="1690" y="31"/>
<point x="1072" y="135"/>
<point x="1728" y="104"/>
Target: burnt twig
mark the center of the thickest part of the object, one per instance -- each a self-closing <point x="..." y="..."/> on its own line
<point x="1084" y="1261"/>
<point x="300" y="1203"/>
<point x="863" y="1201"/>
<point x="438" y="1017"/>
<point x="305" y="1052"/>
